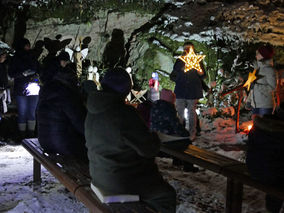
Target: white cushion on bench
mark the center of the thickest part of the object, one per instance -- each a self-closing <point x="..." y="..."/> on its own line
<point x="120" y="198"/>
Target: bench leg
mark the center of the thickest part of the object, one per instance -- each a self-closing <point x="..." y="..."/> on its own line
<point x="37" y="171"/>
<point x="234" y="196"/>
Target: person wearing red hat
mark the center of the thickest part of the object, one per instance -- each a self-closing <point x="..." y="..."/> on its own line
<point x="260" y="96"/>
<point x="264" y="156"/>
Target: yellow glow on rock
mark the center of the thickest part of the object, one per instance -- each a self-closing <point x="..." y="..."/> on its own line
<point x="192" y="61"/>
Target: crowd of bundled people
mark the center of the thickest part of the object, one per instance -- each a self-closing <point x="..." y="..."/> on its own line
<point x="118" y="141"/>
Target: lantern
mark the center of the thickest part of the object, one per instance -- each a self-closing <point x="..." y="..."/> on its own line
<point x="192" y="61"/>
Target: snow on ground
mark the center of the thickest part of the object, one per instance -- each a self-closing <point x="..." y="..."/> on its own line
<point x="199" y="192"/>
<point x="17" y="192"/>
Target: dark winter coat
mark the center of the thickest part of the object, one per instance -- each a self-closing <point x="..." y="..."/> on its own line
<point x="3" y="77"/>
<point x="265" y="159"/>
<point x="50" y="67"/>
<point x="60" y="117"/>
<point x="164" y="119"/>
<point x="188" y="84"/>
<point x="121" y="149"/>
<point x="22" y="61"/>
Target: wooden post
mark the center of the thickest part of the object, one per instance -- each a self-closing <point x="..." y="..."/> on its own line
<point x="37" y="171"/>
<point x="234" y="196"/>
<point x="240" y="94"/>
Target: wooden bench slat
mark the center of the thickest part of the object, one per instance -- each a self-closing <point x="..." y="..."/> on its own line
<point x="53" y="168"/>
<point x="74" y="175"/>
<point x="204" y="159"/>
<point x="210" y="157"/>
<point x="219" y="159"/>
<point x="230" y="168"/>
<point x="68" y="180"/>
<point x="86" y="196"/>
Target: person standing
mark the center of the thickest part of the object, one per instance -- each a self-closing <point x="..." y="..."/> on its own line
<point x="3" y="82"/>
<point x="154" y="93"/>
<point x="24" y="69"/>
<point x="260" y="97"/>
<point x="115" y="58"/>
<point x="188" y="89"/>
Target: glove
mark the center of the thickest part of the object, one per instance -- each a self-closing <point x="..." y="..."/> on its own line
<point x="28" y="72"/>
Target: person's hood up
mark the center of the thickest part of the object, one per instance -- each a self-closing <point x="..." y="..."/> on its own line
<point x="100" y="101"/>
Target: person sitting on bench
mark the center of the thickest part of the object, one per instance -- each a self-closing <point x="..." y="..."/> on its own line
<point x="164" y="120"/>
<point x="121" y="149"/>
<point x="265" y="159"/>
<point x="61" y="113"/>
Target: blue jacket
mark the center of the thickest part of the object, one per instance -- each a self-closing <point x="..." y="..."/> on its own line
<point x="188" y="84"/>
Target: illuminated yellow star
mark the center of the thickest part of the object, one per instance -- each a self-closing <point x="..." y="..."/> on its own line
<point x="251" y="78"/>
<point x="192" y="61"/>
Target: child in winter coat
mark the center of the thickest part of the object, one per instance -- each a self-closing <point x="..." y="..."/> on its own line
<point x="260" y="97"/>
<point x="165" y="121"/>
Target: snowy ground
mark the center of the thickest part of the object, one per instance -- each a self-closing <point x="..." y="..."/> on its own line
<point x="197" y="192"/>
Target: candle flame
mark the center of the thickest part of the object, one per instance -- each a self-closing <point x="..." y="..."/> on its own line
<point x="249" y="127"/>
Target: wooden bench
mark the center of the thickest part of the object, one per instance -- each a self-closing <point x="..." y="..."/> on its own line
<point x="74" y="175"/>
<point x="235" y="171"/>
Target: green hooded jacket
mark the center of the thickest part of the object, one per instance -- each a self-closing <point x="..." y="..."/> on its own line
<point x="121" y="149"/>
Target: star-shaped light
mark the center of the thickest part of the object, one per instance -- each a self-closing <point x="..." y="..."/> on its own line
<point x="192" y="61"/>
<point x="251" y="79"/>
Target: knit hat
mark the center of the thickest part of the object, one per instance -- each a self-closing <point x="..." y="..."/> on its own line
<point x="266" y="52"/>
<point x="168" y="95"/>
<point x="117" y="80"/>
<point x="63" y="56"/>
<point x="21" y="43"/>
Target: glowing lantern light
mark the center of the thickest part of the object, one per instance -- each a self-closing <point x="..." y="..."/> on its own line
<point x="32" y="89"/>
<point x="251" y="78"/>
<point x="192" y="61"/>
<point x="249" y="127"/>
